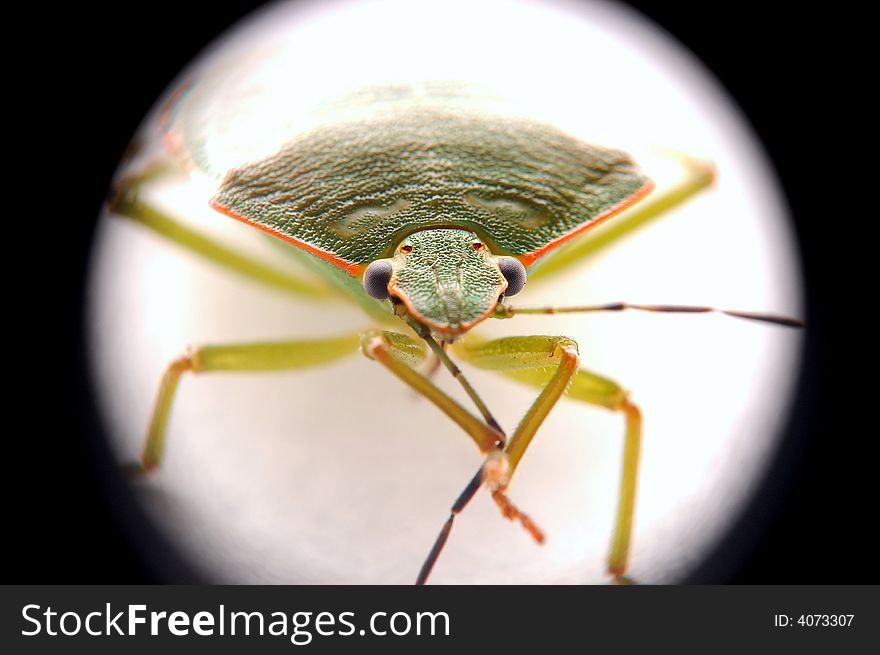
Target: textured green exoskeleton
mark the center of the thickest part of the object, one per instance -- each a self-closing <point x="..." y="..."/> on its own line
<point x="355" y="192"/>
<point x="447" y="278"/>
<point x="351" y="192"/>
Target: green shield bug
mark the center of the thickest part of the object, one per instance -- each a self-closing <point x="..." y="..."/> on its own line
<point x="433" y="208"/>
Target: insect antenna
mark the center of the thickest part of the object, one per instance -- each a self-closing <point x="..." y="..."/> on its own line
<point x="460" y="503"/>
<point x="507" y="312"/>
<point x="456" y="372"/>
<point x="508" y="510"/>
<point x="465" y="497"/>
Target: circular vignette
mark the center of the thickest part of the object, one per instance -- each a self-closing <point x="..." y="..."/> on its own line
<point x="629" y="285"/>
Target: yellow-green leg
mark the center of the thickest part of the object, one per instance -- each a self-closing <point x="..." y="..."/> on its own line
<point x="513" y="354"/>
<point x="399" y="354"/>
<point x="128" y="200"/>
<point x="247" y="357"/>
<point x="394" y="351"/>
<point x="698" y="175"/>
<point x="528" y="359"/>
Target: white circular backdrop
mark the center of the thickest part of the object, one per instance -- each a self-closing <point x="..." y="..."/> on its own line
<point x="340" y="474"/>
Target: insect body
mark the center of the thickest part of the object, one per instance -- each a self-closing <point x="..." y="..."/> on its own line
<point x="434" y="214"/>
<point x="430" y="197"/>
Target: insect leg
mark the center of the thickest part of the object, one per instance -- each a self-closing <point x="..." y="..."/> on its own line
<point x="524" y="359"/>
<point x="512" y="353"/>
<point x="396" y="353"/>
<point x="262" y="356"/>
<point x="698" y="176"/>
<point x="451" y="366"/>
<point x="128" y="201"/>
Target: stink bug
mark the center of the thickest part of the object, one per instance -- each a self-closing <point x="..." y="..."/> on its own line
<point x="432" y="209"/>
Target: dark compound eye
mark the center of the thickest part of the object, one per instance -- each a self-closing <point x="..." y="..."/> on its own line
<point x="406" y="248"/>
<point x="478" y="246"/>
<point x="376" y="278"/>
<point x="515" y="274"/>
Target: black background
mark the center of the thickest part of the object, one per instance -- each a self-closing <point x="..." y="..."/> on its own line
<point x="84" y="78"/>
